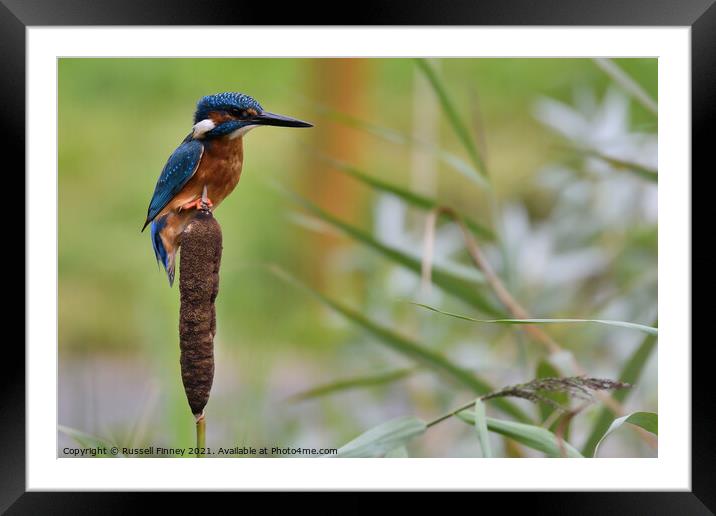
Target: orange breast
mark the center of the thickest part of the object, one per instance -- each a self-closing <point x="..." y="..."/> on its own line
<point x="219" y="170"/>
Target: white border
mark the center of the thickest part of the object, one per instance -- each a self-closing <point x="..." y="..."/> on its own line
<point x="670" y="471"/>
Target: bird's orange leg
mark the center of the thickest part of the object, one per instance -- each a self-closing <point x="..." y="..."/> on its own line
<point x="202" y="202"/>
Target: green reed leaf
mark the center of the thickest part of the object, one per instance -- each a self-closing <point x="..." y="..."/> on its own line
<point x="452" y="115"/>
<point x="649" y="421"/>
<point x="620" y="324"/>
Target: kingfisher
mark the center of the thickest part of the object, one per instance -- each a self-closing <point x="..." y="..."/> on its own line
<point x="205" y="168"/>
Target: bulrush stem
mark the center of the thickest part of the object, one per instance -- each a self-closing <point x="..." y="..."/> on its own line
<point x="200" y="435"/>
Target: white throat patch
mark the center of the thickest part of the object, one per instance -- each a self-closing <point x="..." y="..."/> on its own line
<point x="241" y="131"/>
<point x="203" y="127"/>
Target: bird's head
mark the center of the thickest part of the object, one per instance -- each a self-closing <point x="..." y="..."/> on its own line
<point x="234" y="114"/>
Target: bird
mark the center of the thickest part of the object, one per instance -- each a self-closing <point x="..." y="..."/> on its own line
<point x="205" y="168"/>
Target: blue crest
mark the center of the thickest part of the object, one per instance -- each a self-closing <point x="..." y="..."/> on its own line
<point x="224" y="102"/>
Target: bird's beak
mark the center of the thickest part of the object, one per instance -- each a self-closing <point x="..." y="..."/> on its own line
<point x="267" y="118"/>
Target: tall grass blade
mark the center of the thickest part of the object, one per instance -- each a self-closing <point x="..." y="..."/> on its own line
<point x="407" y="347"/>
<point x="630" y="374"/>
<point x="384" y="438"/>
<point x="481" y="428"/>
<point x="353" y="383"/>
<point x="451" y="112"/>
<point x="409" y="197"/>
<point x="534" y="437"/>
<point x="620" y="324"/>
<point x="649" y="421"/>
<point x="468" y="291"/>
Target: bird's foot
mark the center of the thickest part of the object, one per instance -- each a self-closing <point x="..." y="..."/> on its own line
<point x="205" y="203"/>
<point x="199" y="204"/>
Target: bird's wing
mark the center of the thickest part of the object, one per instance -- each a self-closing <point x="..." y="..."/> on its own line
<point x="181" y="165"/>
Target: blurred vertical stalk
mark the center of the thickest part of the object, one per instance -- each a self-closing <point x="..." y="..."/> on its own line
<point x="426" y="117"/>
<point x="424" y="179"/>
<point x="423" y="165"/>
<point x="340" y="84"/>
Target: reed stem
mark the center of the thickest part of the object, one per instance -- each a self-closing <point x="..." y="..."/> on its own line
<point x="200" y="435"/>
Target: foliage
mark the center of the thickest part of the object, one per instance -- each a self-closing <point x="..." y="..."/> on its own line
<point x="566" y="220"/>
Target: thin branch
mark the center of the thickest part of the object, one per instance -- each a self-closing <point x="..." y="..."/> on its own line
<point x="451" y="414"/>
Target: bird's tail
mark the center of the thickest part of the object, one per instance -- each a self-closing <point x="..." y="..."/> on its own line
<point x="166" y="258"/>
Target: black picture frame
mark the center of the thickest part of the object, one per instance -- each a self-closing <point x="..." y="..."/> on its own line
<point x="17" y="15"/>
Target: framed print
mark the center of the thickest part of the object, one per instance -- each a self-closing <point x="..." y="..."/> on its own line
<point x="433" y="251"/>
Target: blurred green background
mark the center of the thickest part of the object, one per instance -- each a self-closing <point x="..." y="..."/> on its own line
<point x="576" y="237"/>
